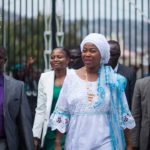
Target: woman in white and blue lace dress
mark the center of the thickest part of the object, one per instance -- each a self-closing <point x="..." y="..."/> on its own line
<point x="92" y="108"/>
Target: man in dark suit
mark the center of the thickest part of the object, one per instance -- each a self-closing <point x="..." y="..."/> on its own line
<point x="141" y="113"/>
<point x="15" y="116"/>
<point x="125" y="71"/>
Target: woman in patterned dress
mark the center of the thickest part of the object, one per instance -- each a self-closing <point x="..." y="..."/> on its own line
<point x="92" y="108"/>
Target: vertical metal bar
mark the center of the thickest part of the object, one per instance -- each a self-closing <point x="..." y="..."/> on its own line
<point x="2" y="28"/>
<point x="87" y="25"/>
<point x="69" y="22"/>
<point x="8" y="37"/>
<point x="130" y="34"/>
<point x="99" y="16"/>
<point x="148" y="37"/>
<point x="117" y="20"/>
<point x="123" y="27"/>
<point x="75" y="22"/>
<point x="14" y="47"/>
<point x="111" y="12"/>
<point x="32" y="29"/>
<point x="20" y="35"/>
<point x="38" y="34"/>
<point x="81" y="23"/>
<point x="135" y="36"/>
<point x="105" y="15"/>
<point x="93" y="15"/>
<point x="43" y="24"/>
<point x="26" y="30"/>
<point x="64" y="23"/>
<point x="43" y="32"/>
<point x="142" y="40"/>
<point x="53" y="24"/>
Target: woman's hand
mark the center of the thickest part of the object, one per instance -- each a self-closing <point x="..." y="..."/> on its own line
<point x="136" y="148"/>
<point x="36" y="142"/>
<point x="58" y="140"/>
<point x="58" y="146"/>
<point x="128" y="139"/>
<point x="129" y="147"/>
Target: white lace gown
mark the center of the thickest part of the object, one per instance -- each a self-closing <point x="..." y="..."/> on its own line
<point x="87" y="126"/>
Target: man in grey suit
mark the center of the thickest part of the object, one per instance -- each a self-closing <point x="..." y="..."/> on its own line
<point x="141" y="114"/>
<point x="15" y="116"/>
<point x="125" y="71"/>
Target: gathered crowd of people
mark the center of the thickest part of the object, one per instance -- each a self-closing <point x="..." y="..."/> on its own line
<point x="86" y="101"/>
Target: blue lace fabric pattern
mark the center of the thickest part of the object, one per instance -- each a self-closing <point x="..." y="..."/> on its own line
<point x="120" y="116"/>
<point x="109" y="106"/>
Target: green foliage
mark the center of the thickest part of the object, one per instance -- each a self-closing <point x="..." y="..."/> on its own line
<point x="25" y="38"/>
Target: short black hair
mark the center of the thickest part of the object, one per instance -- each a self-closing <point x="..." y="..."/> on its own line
<point x="114" y="45"/>
<point x="65" y="50"/>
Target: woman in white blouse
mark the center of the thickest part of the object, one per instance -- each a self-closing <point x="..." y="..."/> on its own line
<point x="92" y="108"/>
<point x="49" y="86"/>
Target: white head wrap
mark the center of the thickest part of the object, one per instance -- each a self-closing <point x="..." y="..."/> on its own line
<point x="101" y="43"/>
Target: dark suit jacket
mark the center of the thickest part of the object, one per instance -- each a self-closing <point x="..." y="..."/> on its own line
<point x="130" y="75"/>
<point x="141" y="113"/>
<point x="17" y="116"/>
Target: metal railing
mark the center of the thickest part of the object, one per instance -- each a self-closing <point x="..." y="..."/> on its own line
<point x="127" y="21"/>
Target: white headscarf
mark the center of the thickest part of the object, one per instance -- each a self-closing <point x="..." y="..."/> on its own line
<point x="101" y="43"/>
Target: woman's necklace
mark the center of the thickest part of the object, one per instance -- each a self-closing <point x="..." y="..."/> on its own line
<point x="90" y="93"/>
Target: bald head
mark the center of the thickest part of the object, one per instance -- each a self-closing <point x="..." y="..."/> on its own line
<point x="114" y="53"/>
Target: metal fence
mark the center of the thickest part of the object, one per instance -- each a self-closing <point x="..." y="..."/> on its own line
<point x="127" y="21"/>
<point x="22" y="28"/>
